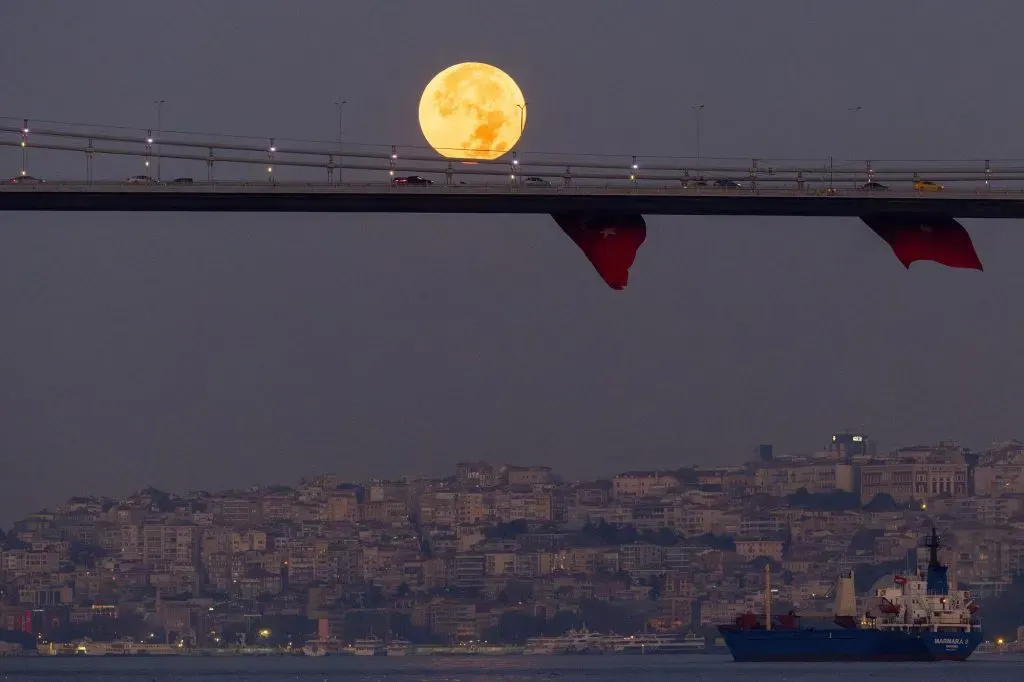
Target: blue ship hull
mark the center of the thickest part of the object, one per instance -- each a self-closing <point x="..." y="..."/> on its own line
<point x="848" y="645"/>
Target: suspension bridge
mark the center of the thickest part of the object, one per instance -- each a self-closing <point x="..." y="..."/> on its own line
<point x="103" y="168"/>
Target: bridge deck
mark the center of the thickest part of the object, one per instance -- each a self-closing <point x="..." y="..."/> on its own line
<point x="382" y="198"/>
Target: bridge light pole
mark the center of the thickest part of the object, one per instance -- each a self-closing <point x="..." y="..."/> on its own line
<point x="159" y="111"/>
<point x="522" y="116"/>
<point x="341" y="131"/>
<point x="24" y="147"/>
<point x="88" y="162"/>
<point x="698" y="110"/>
<point x="522" y="119"/>
<point x="270" y="161"/>
<point x="853" y="131"/>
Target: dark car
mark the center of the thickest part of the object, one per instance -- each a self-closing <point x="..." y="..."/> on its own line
<point x="690" y="182"/>
<point x="874" y="186"/>
<point x="728" y="184"/>
<point x="412" y="180"/>
<point x="182" y="181"/>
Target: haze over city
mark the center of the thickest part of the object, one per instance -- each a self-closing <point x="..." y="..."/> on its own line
<point x="212" y="350"/>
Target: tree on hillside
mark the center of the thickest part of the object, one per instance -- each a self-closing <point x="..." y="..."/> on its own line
<point x="665" y="537"/>
<point x="834" y="501"/>
<point x="604" y="534"/>
<point x="722" y="543"/>
<point x="514" y="627"/>
<point x="509" y="530"/>
<point x="883" y="502"/>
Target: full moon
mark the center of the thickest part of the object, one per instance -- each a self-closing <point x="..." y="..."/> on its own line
<point x="472" y="111"/>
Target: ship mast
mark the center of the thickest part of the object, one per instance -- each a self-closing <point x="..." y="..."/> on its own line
<point x="933" y="550"/>
<point x="768" y="596"/>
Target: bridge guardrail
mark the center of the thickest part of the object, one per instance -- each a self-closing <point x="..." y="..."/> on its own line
<point x="394" y="159"/>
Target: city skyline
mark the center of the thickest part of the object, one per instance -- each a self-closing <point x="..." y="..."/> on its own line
<point x="865" y="447"/>
<point x="495" y="555"/>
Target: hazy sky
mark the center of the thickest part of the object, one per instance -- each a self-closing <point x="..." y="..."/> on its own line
<point x="198" y="350"/>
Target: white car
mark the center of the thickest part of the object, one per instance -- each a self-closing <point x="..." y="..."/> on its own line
<point x="536" y="182"/>
<point x="142" y="180"/>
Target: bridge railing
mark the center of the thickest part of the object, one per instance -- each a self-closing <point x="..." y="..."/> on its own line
<point x="564" y="171"/>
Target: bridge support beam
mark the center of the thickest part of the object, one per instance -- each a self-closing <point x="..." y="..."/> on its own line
<point x="276" y="198"/>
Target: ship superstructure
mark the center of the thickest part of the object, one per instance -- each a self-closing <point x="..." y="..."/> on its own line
<point x="923" y="602"/>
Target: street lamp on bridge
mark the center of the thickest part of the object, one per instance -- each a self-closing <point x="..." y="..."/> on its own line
<point x="522" y="116"/>
<point x="341" y="131"/>
<point x="853" y="132"/>
<point x="159" y="110"/>
<point x="698" y="110"/>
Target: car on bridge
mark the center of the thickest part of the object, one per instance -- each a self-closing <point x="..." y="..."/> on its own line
<point x="725" y="183"/>
<point x="874" y="187"/>
<point x="182" y="181"/>
<point x="412" y="180"/>
<point x="536" y="182"/>
<point x="25" y="180"/>
<point x="927" y="186"/>
<point x="142" y="180"/>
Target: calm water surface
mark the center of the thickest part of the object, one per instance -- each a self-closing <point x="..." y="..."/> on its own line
<point x="486" y="669"/>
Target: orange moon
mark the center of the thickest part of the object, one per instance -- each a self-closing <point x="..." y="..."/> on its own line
<point x="472" y="111"/>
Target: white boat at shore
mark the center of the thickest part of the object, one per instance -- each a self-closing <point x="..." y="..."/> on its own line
<point x="369" y="646"/>
<point x="587" y="642"/>
<point x="573" y="642"/>
<point x="660" y="644"/>
<point x="314" y="648"/>
<point x="325" y="647"/>
<point x="118" y="647"/>
<point x="399" y="647"/>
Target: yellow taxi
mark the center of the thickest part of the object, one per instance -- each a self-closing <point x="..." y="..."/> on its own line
<point x="927" y="186"/>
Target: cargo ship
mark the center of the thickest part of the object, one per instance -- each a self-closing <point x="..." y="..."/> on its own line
<point x="918" y="619"/>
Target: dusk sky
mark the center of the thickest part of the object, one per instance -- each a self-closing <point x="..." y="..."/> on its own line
<point x="214" y="350"/>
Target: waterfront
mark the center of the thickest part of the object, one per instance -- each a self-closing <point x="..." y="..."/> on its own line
<point x="998" y="668"/>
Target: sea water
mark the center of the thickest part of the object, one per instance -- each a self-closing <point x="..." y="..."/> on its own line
<point x="693" y="668"/>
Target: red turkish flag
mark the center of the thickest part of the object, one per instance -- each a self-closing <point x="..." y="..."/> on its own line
<point x="609" y="240"/>
<point x="936" y="238"/>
